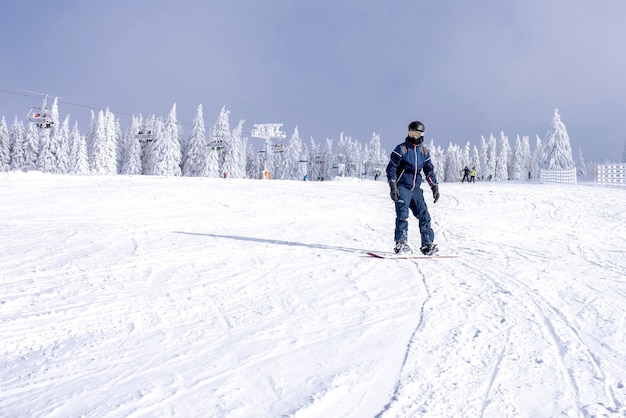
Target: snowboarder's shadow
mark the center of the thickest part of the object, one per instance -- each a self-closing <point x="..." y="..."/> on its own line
<point x="274" y="241"/>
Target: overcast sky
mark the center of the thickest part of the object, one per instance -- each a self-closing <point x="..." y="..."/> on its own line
<point x="464" y="69"/>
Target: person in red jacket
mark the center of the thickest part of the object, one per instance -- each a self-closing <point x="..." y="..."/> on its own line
<point x="406" y="163"/>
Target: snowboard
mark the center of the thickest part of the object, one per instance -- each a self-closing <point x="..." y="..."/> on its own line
<point x="393" y="256"/>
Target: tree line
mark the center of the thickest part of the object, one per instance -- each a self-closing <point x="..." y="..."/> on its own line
<point x="154" y="146"/>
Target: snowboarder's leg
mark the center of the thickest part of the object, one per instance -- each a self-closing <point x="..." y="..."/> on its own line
<point x="402" y="215"/>
<point x="420" y="210"/>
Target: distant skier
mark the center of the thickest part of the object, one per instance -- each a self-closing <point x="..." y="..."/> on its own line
<point x="407" y="160"/>
<point x="466" y="172"/>
<point x="473" y="175"/>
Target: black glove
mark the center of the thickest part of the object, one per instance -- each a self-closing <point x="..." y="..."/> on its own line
<point x="393" y="186"/>
<point x="435" y="189"/>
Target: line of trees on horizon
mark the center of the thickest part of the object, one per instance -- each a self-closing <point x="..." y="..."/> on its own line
<point x="153" y="146"/>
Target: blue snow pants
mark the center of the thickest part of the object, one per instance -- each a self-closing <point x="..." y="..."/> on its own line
<point x="414" y="200"/>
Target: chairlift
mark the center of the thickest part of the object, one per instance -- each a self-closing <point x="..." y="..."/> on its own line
<point x="217" y="145"/>
<point x="40" y="116"/>
<point x="144" y="135"/>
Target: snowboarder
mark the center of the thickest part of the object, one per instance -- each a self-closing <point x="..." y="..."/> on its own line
<point x="407" y="160"/>
<point x="466" y="172"/>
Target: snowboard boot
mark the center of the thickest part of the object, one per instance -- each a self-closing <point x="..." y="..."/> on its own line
<point x="429" y="249"/>
<point x="402" y="248"/>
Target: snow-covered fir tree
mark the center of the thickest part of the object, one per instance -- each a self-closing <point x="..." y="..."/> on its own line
<point x="453" y="163"/>
<point x="465" y="155"/>
<point x="475" y="162"/>
<point x="254" y="165"/>
<point x="438" y="158"/>
<point x="537" y="158"/>
<point x="503" y="157"/>
<point x="103" y="159"/>
<point x="558" y="151"/>
<point x="196" y="152"/>
<point x="78" y="160"/>
<point x="220" y="135"/>
<point x="517" y="161"/>
<point x="5" y="146"/>
<point x="60" y="146"/>
<point x="131" y="146"/>
<point x="581" y="166"/>
<point x="212" y="164"/>
<point x="376" y="157"/>
<point x="327" y="167"/>
<point x="489" y="156"/>
<point x="18" y="157"/>
<point x="293" y="154"/>
<point x="526" y="157"/>
<point x="31" y="148"/>
<point x="46" y="161"/>
<point x="148" y="145"/>
<point x="234" y="154"/>
<point x="165" y="150"/>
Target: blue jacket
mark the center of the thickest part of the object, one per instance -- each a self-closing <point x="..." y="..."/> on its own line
<point x="407" y="161"/>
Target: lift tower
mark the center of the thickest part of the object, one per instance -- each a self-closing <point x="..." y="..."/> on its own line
<point x="267" y="131"/>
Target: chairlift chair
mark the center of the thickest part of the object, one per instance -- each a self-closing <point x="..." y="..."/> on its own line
<point x="40" y="116"/>
<point x="144" y="135"/>
<point x="217" y="145"/>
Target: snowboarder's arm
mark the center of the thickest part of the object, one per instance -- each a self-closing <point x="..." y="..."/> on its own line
<point x="429" y="171"/>
<point x="394" y="163"/>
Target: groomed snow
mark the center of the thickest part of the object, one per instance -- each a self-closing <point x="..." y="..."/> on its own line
<point x="151" y="296"/>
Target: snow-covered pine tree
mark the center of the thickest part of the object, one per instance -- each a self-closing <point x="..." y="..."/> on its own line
<point x="18" y="157"/>
<point x="104" y="147"/>
<point x="537" y="158"/>
<point x="5" y="146"/>
<point x="254" y="166"/>
<point x="581" y="166"/>
<point x="31" y="148"/>
<point x="316" y="161"/>
<point x="475" y="162"/>
<point x="558" y="151"/>
<point x="234" y="156"/>
<point x="212" y="164"/>
<point x="292" y="157"/>
<point x="326" y="169"/>
<point x="196" y="153"/>
<point x="517" y="162"/>
<point x="438" y="158"/>
<point x="453" y="163"/>
<point x="465" y="155"/>
<point x="375" y="157"/>
<point x="78" y="159"/>
<point x="148" y="144"/>
<point x="220" y="136"/>
<point x="489" y="156"/>
<point x="60" y="146"/>
<point x="503" y="158"/>
<point x="46" y="162"/>
<point x="166" y="155"/>
<point x="131" y="149"/>
<point x="526" y="157"/>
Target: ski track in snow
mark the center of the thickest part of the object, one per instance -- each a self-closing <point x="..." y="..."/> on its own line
<point x="146" y="296"/>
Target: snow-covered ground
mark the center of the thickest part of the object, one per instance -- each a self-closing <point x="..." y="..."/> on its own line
<point x="151" y="296"/>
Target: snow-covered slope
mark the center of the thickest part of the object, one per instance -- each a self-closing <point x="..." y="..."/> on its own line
<point x="151" y="296"/>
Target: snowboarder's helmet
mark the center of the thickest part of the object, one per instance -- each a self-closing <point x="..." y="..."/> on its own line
<point x="416" y="126"/>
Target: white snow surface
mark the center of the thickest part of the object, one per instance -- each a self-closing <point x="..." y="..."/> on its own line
<point x="144" y="296"/>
